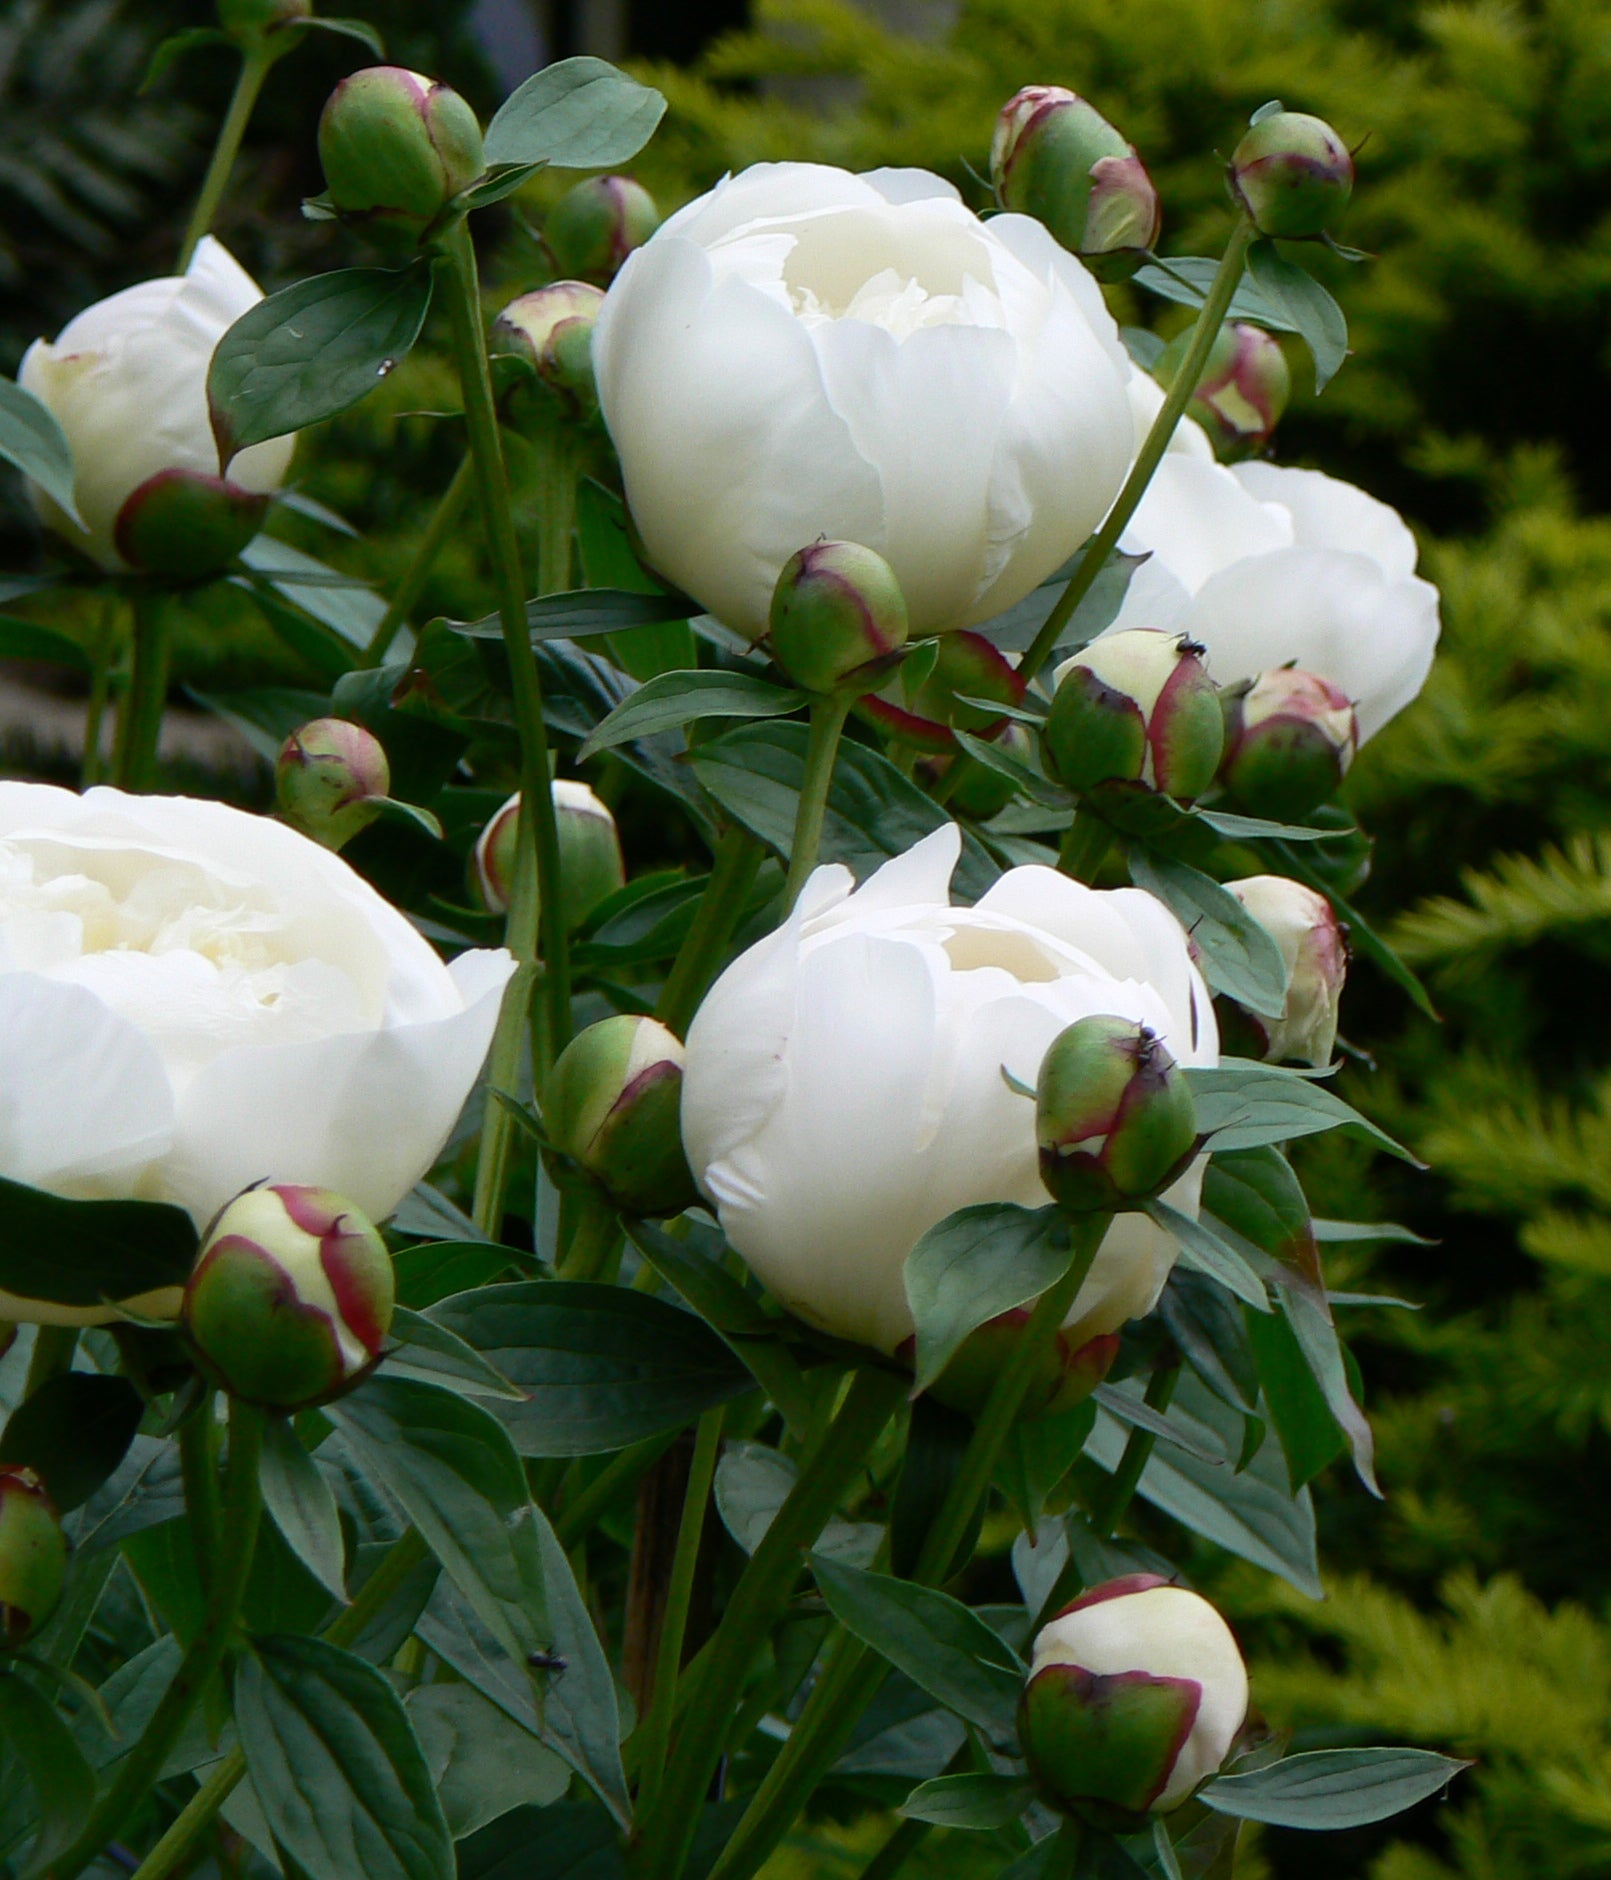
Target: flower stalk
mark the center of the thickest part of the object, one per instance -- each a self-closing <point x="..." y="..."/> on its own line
<point x="405" y="596"/>
<point x="257" y="61"/>
<point x="829" y="710"/>
<point x="139" y="719"/>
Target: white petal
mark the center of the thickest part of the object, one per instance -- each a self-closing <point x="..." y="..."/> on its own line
<point x="1195" y="518"/>
<point x="905" y="185"/>
<point x="1328" y="513"/>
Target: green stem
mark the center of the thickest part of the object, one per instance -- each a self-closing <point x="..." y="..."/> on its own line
<point x="896" y="1851"/>
<point x="679" y="1596"/>
<point x="139" y="719"/>
<point x="598" y="1233"/>
<point x="198" y="1461"/>
<point x="732" y="875"/>
<point x="408" y="590"/>
<point x="1085" y="846"/>
<point x="709" y="1692"/>
<point x="103" y="655"/>
<point x="620" y="1473"/>
<point x="139" y="1770"/>
<point x="829" y="710"/>
<point x="538" y="825"/>
<point x="556" y="506"/>
<point x="498" y="1126"/>
<point x="1137" y="1453"/>
<point x="52" y="1356"/>
<point x="1065" y="1860"/>
<point x="256" y="64"/>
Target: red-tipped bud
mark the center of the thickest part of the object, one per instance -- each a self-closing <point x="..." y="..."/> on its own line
<point x="291" y="1300"/>
<point x="1289" y="739"/>
<point x="331" y="779"/>
<point x="186" y="525"/>
<point x="938" y="680"/>
<point x="397" y="147"/>
<point x="1136" y="707"/>
<point x="613" y="1105"/>
<point x="837" y="609"/>
<point x="552" y="330"/>
<point x="1055" y="157"/>
<point x="1136" y="1693"/>
<point x="594" y="227"/>
<point x="33" y="1555"/>
<point x="1292" y="175"/>
<point x="1315" y="948"/>
<point x="590" y="864"/>
<point x="1114" y="1118"/>
<point x="1242" y="393"/>
<point x="249" y="21"/>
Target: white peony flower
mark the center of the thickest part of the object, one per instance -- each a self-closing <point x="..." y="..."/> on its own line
<point x="193" y="999"/>
<point x="805" y="353"/>
<point x="844" y="1092"/>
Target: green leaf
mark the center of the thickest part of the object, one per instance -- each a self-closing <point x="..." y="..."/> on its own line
<point x="63" y="1785"/>
<point x="1304" y="305"/>
<point x="577" y="114"/>
<point x="941" y="1645"/>
<point x="610" y="561"/>
<point x="450" y="1467"/>
<point x="1239" y="957"/>
<point x="175" y="46"/>
<point x="336" y="1766"/>
<point x="577" y="1842"/>
<point x="708" y="1287"/>
<point x="1212" y="1336"/>
<point x="1185" y="279"/>
<point x="26" y="639"/>
<point x="1015" y="629"/>
<point x="432" y="1352"/>
<point x="600" y="1366"/>
<point x="346" y="605"/>
<point x="585" y="611"/>
<point x="1124" y="1401"/>
<point x="1333" y="1788"/>
<point x="265" y="716"/>
<point x="302" y="1505"/>
<point x="437" y="1269"/>
<point x="73" y="1432"/>
<point x="312" y="350"/>
<point x="993" y="757"/>
<point x="1209" y="1252"/>
<point x="1168" y="1861"/>
<point x="973" y="1265"/>
<point x="31" y="439"/>
<point x="753" y="1482"/>
<point x="969" y="1801"/>
<point x="498" y="183"/>
<point x="120" y="1248"/>
<point x="873" y="811"/>
<point x="1243" y="1105"/>
<point x="482" y="1762"/>
<point x="1247" y="828"/>
<point x="1304" y="1426"/>
<point x="673" y="699"/>
<point x="360" y="30"/>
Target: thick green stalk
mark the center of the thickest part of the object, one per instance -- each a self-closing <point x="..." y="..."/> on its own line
<point x="1084" y="847"/>
<point x="103" y="656"/>
<point x="498" y="1126"/>
<point x="139" y="719"/>
<point x="538" y="824"/>
<point x="139" y="1770"/>
<point x="198" y="1461"/>
<point x="829" y="710"/>
<point x="710" y="1691"/>
<point x="256" y="64"/>
<point x="556" y="504"/>
<point x="656" y="1730"/>
<point x="597" y="1235"/>
<point x="417" y="573"/>
<point x="1137" y="1453"/>
<point x="732" y="875"/>
<point x="619" y="1474"/>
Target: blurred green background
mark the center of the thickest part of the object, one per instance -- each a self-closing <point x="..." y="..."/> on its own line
<point x="1470" y="1611"/>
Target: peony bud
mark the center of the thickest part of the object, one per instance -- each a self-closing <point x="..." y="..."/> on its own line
<point x="1065" y="1373"/>
<point x="590" y="865"/>
<point x="1289" y="739"/>
<point x="594" y="227"/>
<point x="331" y="778"/>
<point x="33" y="1555"/>
<point x="397" y="147"/>
<point x="1114" y="1118"/>
<point x="248" y="20"/>
<point x="935" y="679"/>
<point x="1136" y="706"/>
<point x="552" y="329"/>
<point x="1055" y="157"/>
<point x="612" y="1106"/>
<point x="984" y="793"/>
<point x="186" y="525"/>
<point x="1315" y="948"/>
<point x="291" y="1300"/>
<point x="837" y="608"/>
<point x="1136" y="1693"/>
<point x="1292" y="175"/>
<point x="1242" y="393"/>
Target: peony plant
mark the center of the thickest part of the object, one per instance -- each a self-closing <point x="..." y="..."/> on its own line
<point x="453" y="1423"/>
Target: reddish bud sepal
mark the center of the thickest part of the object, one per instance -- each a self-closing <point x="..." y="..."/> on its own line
<point x="331" y="778"/>
<point x="1292" y="175"/>
<point x="613" y="1105"/>
<point x="397" y="147"/>
<point x="592" y="229"/>
<point x="1114" y="1117"/>
<point x="33" y="1555"/>
<point x="1136" y="707"/>
<point x="186" y="525"/>
<point x="1243" y="390"/>
<point x="1290" y="737"/>
<point x="837" y="613"/>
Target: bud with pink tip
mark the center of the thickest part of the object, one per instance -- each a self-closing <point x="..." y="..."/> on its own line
<point x="331" y="779"/>
<point x="1289" y="739"/>
<point x="1292" y="174"/>
<point x="1305" y="927"/>
<point x="291" y="1300"/>
<point x="249" y="22"/>
<point x="938" y="679"/>
<point x="551" y="328"/>
<point x="1243" y="390"/>
<point x="1136" y="707"/>
<point x="1114" y="1118"/>
<point x="613" y="1106"/>
<point x="837" y="610"/>
<point x="594" y="227"/>
<point x="590" y="864"/>
<point x="397" y="147"/>
<point x="1136" y="1693"/>
<point x="33" y="1555"/>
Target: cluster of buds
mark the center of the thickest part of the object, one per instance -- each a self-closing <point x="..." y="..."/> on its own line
<point x="838" y="616"/>
<point x="592" y="229"/>
<point x="397" y="147"/>
<point x="613" y="1107"/>
<point x="1291" y="174"/>
<point x="551" y="329"/>
<point x="1136" y="707"/>
<point x="1055" y="157"/>
<point x="331" y="779"/>
<point x="1243" y="390"/>
<point x="1289" y="739"/>
<point x="1136" y="1694"/>
<point x="1315" y="951"/>
<point x="33" y="1555"/>
<point x="590" y="864"/>
<point x="1114" y="1119"/>
<point x="291" y="1299"/>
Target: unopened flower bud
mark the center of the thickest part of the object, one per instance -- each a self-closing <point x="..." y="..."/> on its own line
<point x="1292" y="174"/>
<point x="837" y="608"/>
<point x="1136" y="1693"/>
<point x="984" y="793"/>
<point x="291" y="1300"/>
<point x="1289" y="739"/>
<point x="1243" y="391"/>
<point x="186" y="525"/>
<point x="1315" y="949"/>
<point x="590" y="864"/>
<point x="33" y="1555"/>
<point x="1136" y="707"/>
<point x="1114" y="1117"/>
<point x="331" y="778"/>
<point x="613" y="1106"/>
<point x="552" y="329"/>
<point x="937" y="680"/>
<point x="247" y="20"/>
<point x="1055" y="157"/>
<point x="397" y="147"/>
<point x="594" y="227"/>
